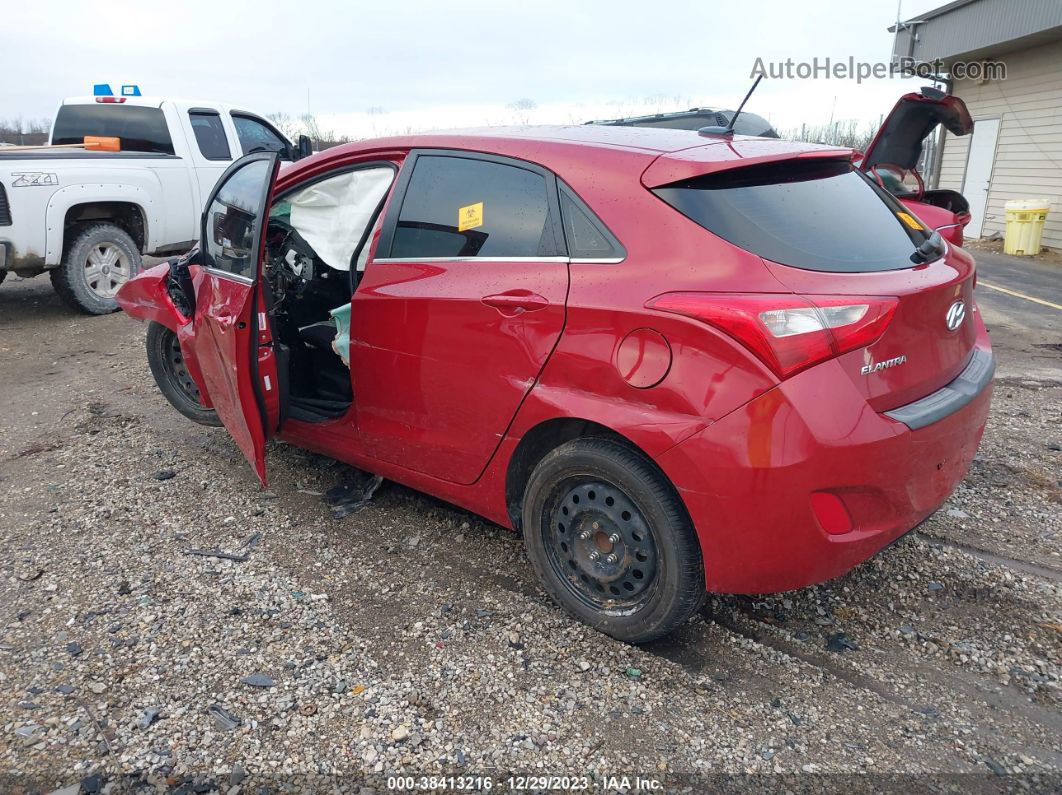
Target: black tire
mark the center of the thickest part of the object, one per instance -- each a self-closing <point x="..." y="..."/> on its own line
<point x="88" y="285"/>
<point x="3" y="275"/>
<point x="167" y="365"/>
<point x="596" y="495"/>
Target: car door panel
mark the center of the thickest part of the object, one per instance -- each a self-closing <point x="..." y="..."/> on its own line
<point x="444" y="349"/>
<point x="232" y="340"/>
<point x="439" y="373"/>
<point x="222" y="308"/>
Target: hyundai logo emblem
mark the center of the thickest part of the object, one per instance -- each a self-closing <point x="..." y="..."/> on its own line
<point x="956" y="314"/>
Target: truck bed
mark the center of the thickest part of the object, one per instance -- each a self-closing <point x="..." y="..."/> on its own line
<point x="45" y="153"/>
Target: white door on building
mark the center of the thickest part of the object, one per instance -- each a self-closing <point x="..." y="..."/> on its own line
<point x="979" y="172"/>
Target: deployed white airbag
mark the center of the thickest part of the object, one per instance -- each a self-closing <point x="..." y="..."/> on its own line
<point x="332" y="214"/>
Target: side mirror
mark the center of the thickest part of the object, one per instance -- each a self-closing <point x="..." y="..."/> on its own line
<point x="304" y="148"/>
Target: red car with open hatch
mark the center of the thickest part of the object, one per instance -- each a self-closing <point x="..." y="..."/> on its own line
<point x="677" y="363"/>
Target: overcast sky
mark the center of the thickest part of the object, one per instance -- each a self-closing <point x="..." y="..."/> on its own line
<point x="376" y="68"/>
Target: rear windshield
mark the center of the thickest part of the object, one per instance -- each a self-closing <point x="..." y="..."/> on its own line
<point x="822" y="216"/>
<point x="140" y="129"/>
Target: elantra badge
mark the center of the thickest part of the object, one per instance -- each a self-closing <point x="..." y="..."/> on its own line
<point x="895" y="361"/>
<point x="956" y="314"/>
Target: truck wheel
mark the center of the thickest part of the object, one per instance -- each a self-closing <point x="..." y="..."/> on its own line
<point x="171" y="374"/>
<point x="99" y="259"/>
<point x="610" y="540"/>
<point x="3" y="275"/>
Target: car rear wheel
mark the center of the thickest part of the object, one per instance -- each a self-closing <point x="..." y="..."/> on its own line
<point x="98" y="261"/>
<point x="610" y="540"/>
<point x="171" y="374"/>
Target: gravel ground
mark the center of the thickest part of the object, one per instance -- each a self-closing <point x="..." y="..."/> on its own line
<point x="411" y="638"/>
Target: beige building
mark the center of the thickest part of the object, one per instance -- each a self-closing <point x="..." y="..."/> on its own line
<point x="1015" y="150"/>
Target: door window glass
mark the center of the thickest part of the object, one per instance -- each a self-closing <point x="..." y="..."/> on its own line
<point x="255" y="136"/>
<point x="233" y="219"/>
<point x="460" y="207"/>
<point x="210" y="135"/>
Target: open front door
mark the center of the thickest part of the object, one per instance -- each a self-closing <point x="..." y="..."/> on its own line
<point x="232" y="337"/>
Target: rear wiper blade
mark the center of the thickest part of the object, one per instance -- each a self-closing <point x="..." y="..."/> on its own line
<point x="931" y="248"/>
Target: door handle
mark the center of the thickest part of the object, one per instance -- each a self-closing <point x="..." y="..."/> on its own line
<point x="516" y="302"/>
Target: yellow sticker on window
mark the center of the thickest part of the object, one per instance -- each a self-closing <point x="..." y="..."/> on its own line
<point x="470" y="217"/>
<point x="911" y="222"/>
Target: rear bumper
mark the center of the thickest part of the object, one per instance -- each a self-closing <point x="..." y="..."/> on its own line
<point x="934" y="407"/>
<point x="747" y="480"/>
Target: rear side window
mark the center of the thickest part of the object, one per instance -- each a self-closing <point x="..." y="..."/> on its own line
<point x="821" y="216"/>
<point x="256" y="136"/>
<point x="461" y="207"/>
<point x="140" y="129"/>
<point x="210" y="135"/>
<point x="586" y="235"/>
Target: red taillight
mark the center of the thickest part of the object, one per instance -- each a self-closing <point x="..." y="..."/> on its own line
<point x="788" y="332"/>
<point x="110" y="100"/>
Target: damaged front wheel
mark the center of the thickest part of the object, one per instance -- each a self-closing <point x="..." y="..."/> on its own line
<point x="171" y="374"/>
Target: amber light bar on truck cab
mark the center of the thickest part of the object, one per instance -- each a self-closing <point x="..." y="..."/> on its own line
<point x="788" y="332"/>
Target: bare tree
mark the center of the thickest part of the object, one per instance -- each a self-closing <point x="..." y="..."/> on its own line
<point x="286" y="124"/>
<point x="373" y="112"/>
<point x="311" y="128"/>
<point x="38" y="127"/>
<point x="521" y="109"/>
<point x="322" y="139"/>
<point x="661" y="103"/>
<point x="24" y="131"/>
<point x="845" y="132"/>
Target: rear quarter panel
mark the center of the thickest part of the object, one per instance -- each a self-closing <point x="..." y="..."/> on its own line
<point x="709" y="374"/>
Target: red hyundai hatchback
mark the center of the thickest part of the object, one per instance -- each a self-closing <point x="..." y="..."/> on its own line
<point x="678" y="364"/>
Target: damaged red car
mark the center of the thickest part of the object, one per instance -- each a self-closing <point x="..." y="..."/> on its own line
<point x="677" y="364"/>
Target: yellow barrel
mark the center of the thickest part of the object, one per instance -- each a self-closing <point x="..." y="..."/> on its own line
<point x="1025" y="226"/>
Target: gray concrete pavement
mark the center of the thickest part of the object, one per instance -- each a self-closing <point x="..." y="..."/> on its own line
<point x="1026" y="331"/>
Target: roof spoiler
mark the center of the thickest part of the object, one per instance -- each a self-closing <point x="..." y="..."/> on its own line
<point x="689" y="163"/>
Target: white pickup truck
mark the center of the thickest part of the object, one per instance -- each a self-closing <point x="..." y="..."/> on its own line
<point x="88" y="216"/>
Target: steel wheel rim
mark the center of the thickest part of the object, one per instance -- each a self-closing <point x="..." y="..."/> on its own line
<point x="107" y="268"/>
<point x="178" y="371"/>
<point x="600" y="545"/>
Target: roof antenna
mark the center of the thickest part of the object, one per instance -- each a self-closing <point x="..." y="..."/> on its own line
<point x="728" y="131"/>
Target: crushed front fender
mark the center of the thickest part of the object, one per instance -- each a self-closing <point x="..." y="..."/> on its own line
<point x="147" y="297"/>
